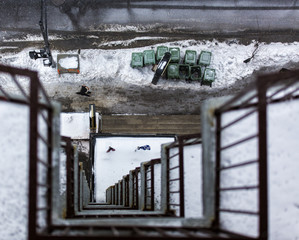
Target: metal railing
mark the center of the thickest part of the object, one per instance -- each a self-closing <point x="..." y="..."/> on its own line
<point x="135" y="188"/>
<point x="126" y="190"/>
<point x="149" y="184"/>
<point x="70" y="188"/>
<point x="250" y="102"/>
<point x="32" y="94"/>
<point x="175" y="164"/>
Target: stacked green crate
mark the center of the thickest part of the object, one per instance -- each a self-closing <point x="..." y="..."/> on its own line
<point x="149" y="57"/>
<point x="184" y="71"/>
<point x="208" y="77"/>
<point x="196" y="73"/>
<point x="173" y="71"/>
<point x="190" y="57"/>
<point x="161" y="50"/>
<point x="137" y="59"/>
<point x="175" y="54"/>
<point x="204" y="58"/>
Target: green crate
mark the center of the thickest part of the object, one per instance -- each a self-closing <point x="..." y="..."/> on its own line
<point x="190" y="57"/>
<point x="209" y="77"/>
<point x="149" y="57"/>
<point x="196" y="73"/>
<point x="175" y="54"/>
<point x="204" y="58"/>
<point x="173" y="71"/>
<point x="161" y="50"/>
<point x="184" y="71"/>
<point x="137" y="59"/>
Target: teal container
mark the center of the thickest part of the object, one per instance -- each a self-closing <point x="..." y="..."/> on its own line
<point x="196" y="73"/>
<point x="190" y="57"/>
<point x="137" y="59"/>
<point x="175" y="54"/>
<point x="208" y="77"/>
<point x="149" y="57"/>
<point x="204" y="58"/>
<point x="173" y="71"/>
<point x="161" y="50"/>
<point x="184" y="71"/>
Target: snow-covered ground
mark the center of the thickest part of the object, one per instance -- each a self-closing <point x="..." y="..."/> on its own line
<point x="75" y="125"/>
<point x="112" y="166"/>
<point x="113" y="66"/>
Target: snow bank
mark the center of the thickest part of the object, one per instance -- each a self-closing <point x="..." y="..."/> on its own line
<point x="75" y="125"/>
<point x="69" y="62"/>
<point x="112" y="67"/>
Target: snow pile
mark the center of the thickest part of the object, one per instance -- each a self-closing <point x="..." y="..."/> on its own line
<point x="113" y="66"/>
<point x="75" y="125"/>
<point x="30" y="37"/>
<point x="128" y="42"/>
<point x="69" y="62"/>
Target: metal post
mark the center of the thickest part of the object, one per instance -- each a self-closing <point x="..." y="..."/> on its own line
<point x="217" y="170"/>
<point x="262" y="145"/>
<point x="181" y="169"/>
<point x="49" y="172"/>
<point x="33" y="157"/>
<point x="92" y="118"/>
<point x="167" y="180"/>
<point x="152" y="186"/>
<point x="70" y="177"/>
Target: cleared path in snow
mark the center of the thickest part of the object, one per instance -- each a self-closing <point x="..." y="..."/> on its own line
<point x="138" y="124"/>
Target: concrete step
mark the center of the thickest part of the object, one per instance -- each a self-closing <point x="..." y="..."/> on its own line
<point x="163" y="124"/>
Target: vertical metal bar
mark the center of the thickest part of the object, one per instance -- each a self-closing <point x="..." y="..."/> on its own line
<point x="127" y="191"/>
<point x="79" y="181"/>
<point x="116" y="194"/>
<point x="262" y="148"/>
<point x="113" y="194"/>
<point x="69" y="170"/>
<point x="49" y="172"/>
<point x="33" y="157"/>
<point x="137" y="192"/>
<point x="167" y="179"/>
<point x="217" y="173"/>
<point x="152" y="186"/>
<point x="121" y="193"/>
<point x="145" y="188"/>
<point x="181" y="172"/>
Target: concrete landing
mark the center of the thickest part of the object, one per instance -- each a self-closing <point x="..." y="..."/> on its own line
<point x="143" y="124"/>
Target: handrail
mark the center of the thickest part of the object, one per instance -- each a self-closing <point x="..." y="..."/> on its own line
<point x="180" y="143"/>
<point x="264" y="90"/>
<point x="37" y="140"/>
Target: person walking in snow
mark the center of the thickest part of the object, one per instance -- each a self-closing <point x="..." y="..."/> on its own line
<point x="110" y="149"/>
<point x="84" y="91"/>
<point x="145" y="147"/>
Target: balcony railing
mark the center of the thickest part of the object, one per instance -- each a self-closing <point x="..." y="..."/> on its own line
<point x="249" y="105"/>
